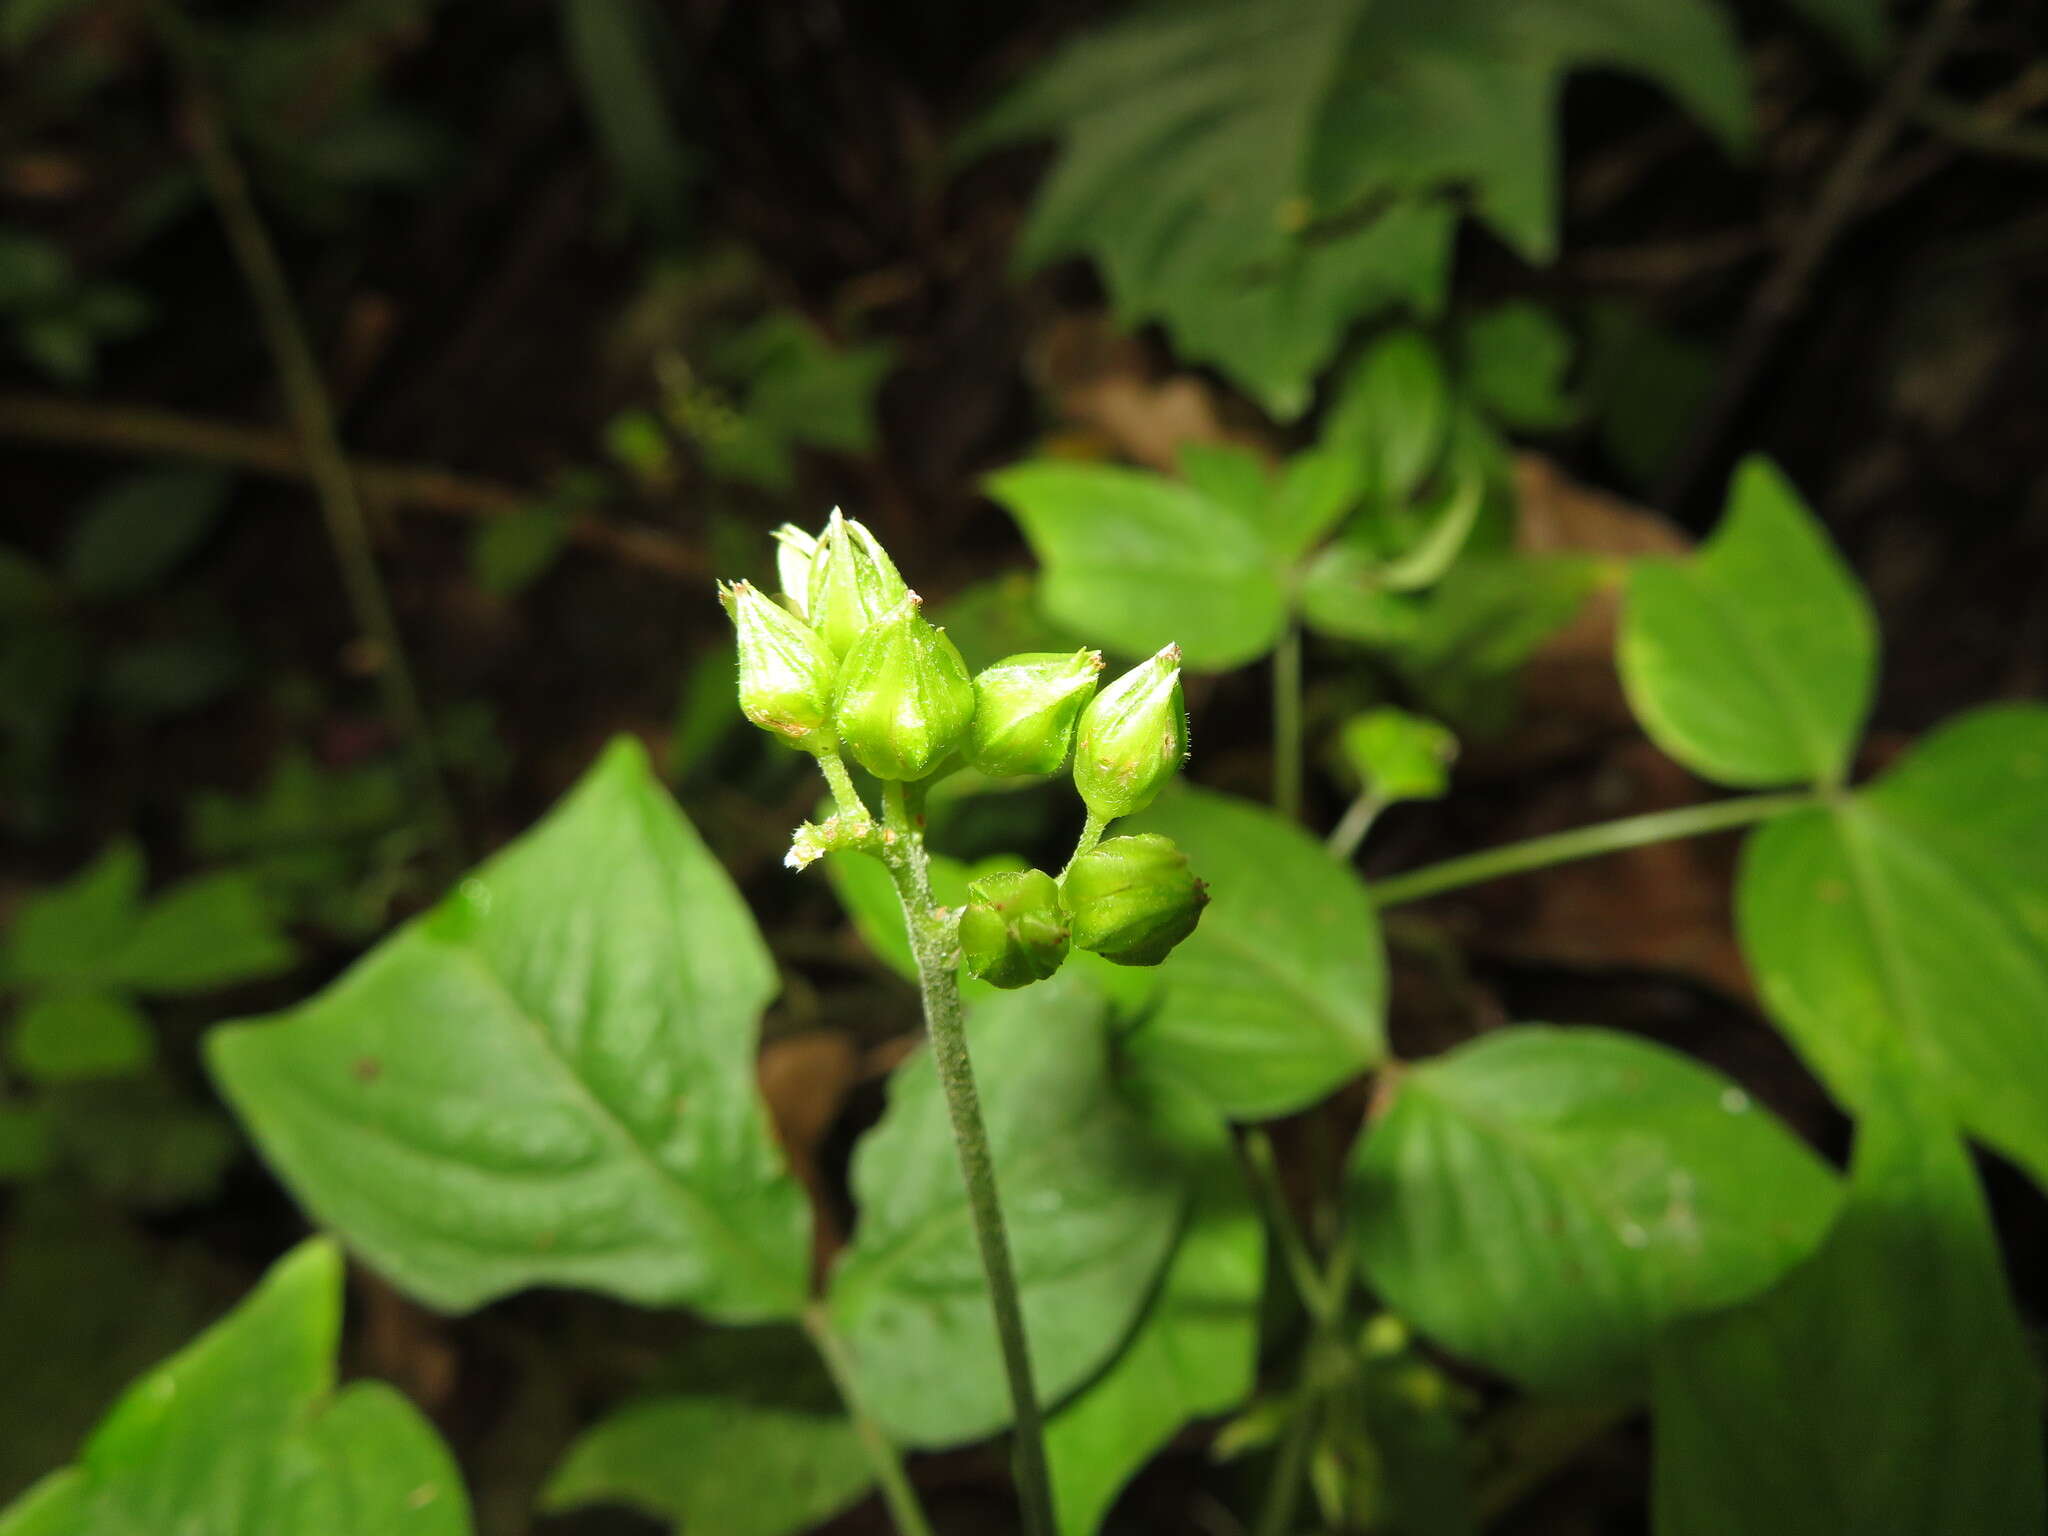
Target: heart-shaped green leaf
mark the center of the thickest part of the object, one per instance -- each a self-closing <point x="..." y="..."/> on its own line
<point x="1884" y="1387"/>
<point x="548" y="1079"/>
<point x="1542" y="1199"/>
<point x="1753" y="662"/>
<point x="1914" y="914"/>
<point x="242" y="1431"/>
<point x="752" y="1441"/>
<point x="1279" y="996"/>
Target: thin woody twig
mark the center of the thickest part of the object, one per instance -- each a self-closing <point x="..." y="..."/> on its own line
<point x="149" y="432"/>
<point x="1784" y="290"/>
<point x="312" y="411"/>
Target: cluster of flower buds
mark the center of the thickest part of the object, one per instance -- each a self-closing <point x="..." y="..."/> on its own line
<point x="845" y="661"/>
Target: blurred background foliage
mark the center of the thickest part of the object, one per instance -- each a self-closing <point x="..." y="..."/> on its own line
<point x="593" y="293"/>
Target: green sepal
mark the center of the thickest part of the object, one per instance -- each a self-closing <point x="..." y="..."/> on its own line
<point x="904" y="698"/>
<point x="1132" y="899"/>
<point x="853" y="583"/>
<point x="1025" y="711"/>
<point x="786" y="673"/>
<point x="1013" y="930"/>
<point x="1132" y="739"/>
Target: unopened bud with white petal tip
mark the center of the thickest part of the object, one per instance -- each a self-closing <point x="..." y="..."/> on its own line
<point x="853" y="582"/>
<point x="1025" y="710"/>
<point x="1132" y="739"/>
<point x="786" y="674"/>
<point x="903" y="699"/>
<point x="794" y="551"/>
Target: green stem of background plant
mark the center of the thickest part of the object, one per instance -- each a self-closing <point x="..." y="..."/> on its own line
<point x="1325" y="1308"/>
<point x="1358" y="818"/>
<point x="1584" y="843"/>
<point x="897" y="1490"/>
<point x="1287" y="724"/>
<point x="932" y="942"/>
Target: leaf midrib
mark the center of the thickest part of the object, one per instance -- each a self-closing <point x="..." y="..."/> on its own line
<point x="698" y="1212"/>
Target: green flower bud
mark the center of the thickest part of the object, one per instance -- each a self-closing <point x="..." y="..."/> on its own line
<point x="1131" y="899"/>
<point x="1012" y="931"/>
<point x="786" y="673"/>
<point x="1133" y="738"/>
<point x="1025" y="708"/>
<point x="853" y="582"/>
<point x="903" y="699"/>
<point x="794" y="551"/>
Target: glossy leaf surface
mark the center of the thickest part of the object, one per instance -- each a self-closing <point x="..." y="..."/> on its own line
<point x="1753" y="662"/>
<point x="1279" y="996"/>
<point x="1914" y="914"/>
<point x="1542" y="1199"/>
<point x="548" y="1079"/>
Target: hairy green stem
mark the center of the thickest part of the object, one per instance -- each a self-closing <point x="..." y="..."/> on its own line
<point x="1584" y="843"/>
<point x="1287" y="724"/>
<point x="932" y="941"/>
<point x="897" y="1490"/>
<point x="844" y="795"/>
<point x="1091" y="834"/>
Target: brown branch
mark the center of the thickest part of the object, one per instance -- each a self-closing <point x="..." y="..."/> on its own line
<point x="148" y="432"/>
<point x="1784" y="290"/>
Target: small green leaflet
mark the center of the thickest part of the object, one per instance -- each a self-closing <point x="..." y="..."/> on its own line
<point x="1541" y="1200"/>
<point x="1398" y="756"/>
<point x="135" y="532"/>
<point x="1885" y="1387"/>
<point x="794" y="389"/>
<point x="1753" y="662"/>
<point x="1516" y="358"/>
<point x="1392" y="408"/>
<point x="67" y="1034"/>
<point x="1091" y="1199"/>
<point x="206" y="932"/>
<point x="1914" y="915"/>
<point x="1194" y="1351"/>
<point x="1279" y="996"/>
<point x="243" y="1430"/>
<point x="1261" y="177"/>
<point x="751" y="1441"/>
<point x="547" y="1079"/>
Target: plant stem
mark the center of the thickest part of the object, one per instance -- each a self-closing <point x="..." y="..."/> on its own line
<point x="844" y="795"/>
<point x="1828" y="209"/>
<point x="897" y="1490"/>
<point x="1287" y="724"/>
<point x="1320" y="1303"/>
<point x="1585" y="843"/>
<point x="298" y="372"/>
<point x="1091" y="834"/>
<point x="1540" y="1438"/>
<point x="1357" y="821"/>
<point x="932" y="941"/>
<point x="1283" y="1493"/>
